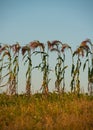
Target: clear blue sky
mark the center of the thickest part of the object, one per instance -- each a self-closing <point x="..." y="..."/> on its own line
<point x="70" y="21"/>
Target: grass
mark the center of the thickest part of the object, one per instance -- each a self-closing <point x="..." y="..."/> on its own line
<point x="55" y="112"/>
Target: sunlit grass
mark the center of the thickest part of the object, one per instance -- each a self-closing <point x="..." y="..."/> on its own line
<point x="56" y="111"/>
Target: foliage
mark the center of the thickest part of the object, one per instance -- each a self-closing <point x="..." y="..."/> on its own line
<point x="53" y="112"/>
<point x="9" y="65"/>
<point x="44" y="66"/>
<point x="26" y="52"/>
<point x="11" y="82"/>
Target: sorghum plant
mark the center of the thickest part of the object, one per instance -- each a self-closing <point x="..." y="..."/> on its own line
<point x="64" y="47"/>
<point x="89" y="53"/>
<point x="26" y="52"/>
<point x="16" y="48"/>
<point x="11" y="83"/>
<point x="59" y="67"/>
<point x="43" y="65"/>
<point x="76" y="71"/>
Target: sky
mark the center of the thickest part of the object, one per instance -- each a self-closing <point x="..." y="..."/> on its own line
<point x="70" y="21"/>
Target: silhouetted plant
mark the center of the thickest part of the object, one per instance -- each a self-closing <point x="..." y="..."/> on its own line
<point x="89" y="53"/>
<point x="16" y="48"/>
<point x="76" y="72"/>
<point x="11" y="83"/>
<point x="45" y="69"/>
<point x="2" y="49"/>
<point x="64" y="47"/>
<point x="43" y="65"/>
<point x="53" y="46"/>
<point x="59" y="67"/>
<point x="26" y="52"/>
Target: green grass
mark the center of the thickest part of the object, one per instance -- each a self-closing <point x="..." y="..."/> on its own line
<point x="54" y="112"/>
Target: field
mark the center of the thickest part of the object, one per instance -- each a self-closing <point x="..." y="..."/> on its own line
<point x="53" y="112"/>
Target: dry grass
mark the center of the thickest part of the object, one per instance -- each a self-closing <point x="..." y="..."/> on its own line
<point x="64" y="112"/>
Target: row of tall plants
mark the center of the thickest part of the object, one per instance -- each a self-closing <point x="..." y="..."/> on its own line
<point x="9" y="63"/>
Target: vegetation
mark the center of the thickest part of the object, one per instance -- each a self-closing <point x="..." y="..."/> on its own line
<point x="9" y="63"/>
<point x="64" y="111"/>
<point x="26" y="49"/>
<point x="49" y="111"/>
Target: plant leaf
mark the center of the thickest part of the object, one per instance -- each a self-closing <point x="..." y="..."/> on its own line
<point x="64" y="68"/>
<point x="85" y="64"/>
<point x="72" y="71"/>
